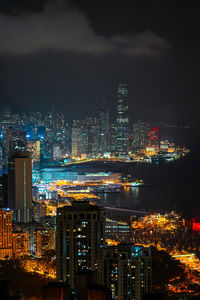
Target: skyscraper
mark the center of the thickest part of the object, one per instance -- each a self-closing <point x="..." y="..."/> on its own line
<point x="44" y="241"/>
<point x="20" y="186"/>
<point x="76" y="138"/>
<point x="138" y="135"/>
<point x="85" y="137"/>
<point x="126" y="270"/>
<point x="122" y="140"/>
<point x="80" y="236"/>
<point x="5" y="233"/>
<point x="103" y="120"/>
<point x="34" y="148"/>
<point x="113" y="137"/>
<point x="20" y="244"/>
<point x="154" y="138"/>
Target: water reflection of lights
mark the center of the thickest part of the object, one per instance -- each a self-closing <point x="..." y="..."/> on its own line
<point x="135" y="191"/>
<point x="127" y="190"/>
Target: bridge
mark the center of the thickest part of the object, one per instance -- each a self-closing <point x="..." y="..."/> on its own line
<point x="126" y="210"/>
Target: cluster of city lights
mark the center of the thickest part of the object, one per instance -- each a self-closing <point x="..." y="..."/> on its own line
<point x="41" y="267"/>
<point x="156" y="221"/>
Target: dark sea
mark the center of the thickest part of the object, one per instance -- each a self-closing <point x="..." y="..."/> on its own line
<point x="172" y="186"/>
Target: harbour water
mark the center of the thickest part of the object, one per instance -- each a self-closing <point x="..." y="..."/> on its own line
<point x="171" y="187"/>
<point x="175" y="186"/>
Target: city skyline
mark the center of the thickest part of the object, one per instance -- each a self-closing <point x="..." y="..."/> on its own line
<point x="51" y="138"/>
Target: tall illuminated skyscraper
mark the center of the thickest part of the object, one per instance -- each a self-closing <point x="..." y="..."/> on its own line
<point x="79" y="238"/>
<point x="103" y="120"/>
<point x="138" y="135"/>
<point x="122" y="140"/>
<point x="20" y="186"/>
<point x="76" y="140"/>
<point x="5" y="233"/>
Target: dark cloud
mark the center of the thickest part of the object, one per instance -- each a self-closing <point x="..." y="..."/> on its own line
<point x="64" y="28"/>
<point x="75" y="53"/>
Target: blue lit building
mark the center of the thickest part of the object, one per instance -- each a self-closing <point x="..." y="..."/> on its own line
<point x="41" y="132"/>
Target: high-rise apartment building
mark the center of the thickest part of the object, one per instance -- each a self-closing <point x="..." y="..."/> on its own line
<point x="126" y="270"/>
<point x="138" y="135"/>
<point x="20" y="186"/>
<point x="113" y="137"/>
<point x="79" y="238"/>
<point x="39" y="210"/>
<point x="84" y="137"/>
<point x="76" y="140"/>
<point x="122" y="141"/>
<point x="34" y="148"/>
<point x="33" y="237"/>
<point x="91" y="128"/>
<point x="44" y="241"/>
<point x="20" y="244"/>
<point x="5" y="233"/>
<point x="93" y="140"/>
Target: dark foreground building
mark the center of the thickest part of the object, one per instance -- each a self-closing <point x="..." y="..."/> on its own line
<point x="79" y="238"/>
<point x="126" y="270"/>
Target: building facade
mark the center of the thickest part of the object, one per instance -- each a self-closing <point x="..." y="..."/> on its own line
<point x="80" y="236"/>
<point x="126" y="270"/>
<point x="44" y="241"/>
<point x="20" y="244"/>
<point x="5" y="233"/>
<point x="104" y="130"/>
<point x="20" y="186"/>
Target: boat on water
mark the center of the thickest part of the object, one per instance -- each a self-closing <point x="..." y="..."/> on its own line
<point x="137" y="183"/>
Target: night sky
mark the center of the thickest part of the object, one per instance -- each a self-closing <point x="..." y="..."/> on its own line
<point x="74" y="53"/>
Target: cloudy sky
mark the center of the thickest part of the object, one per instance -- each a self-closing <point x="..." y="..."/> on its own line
<point x="74" y="53"/>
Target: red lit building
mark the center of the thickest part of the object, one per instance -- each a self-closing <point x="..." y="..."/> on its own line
<point x="154" y="138"/>
<point x="195" y="224"/>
